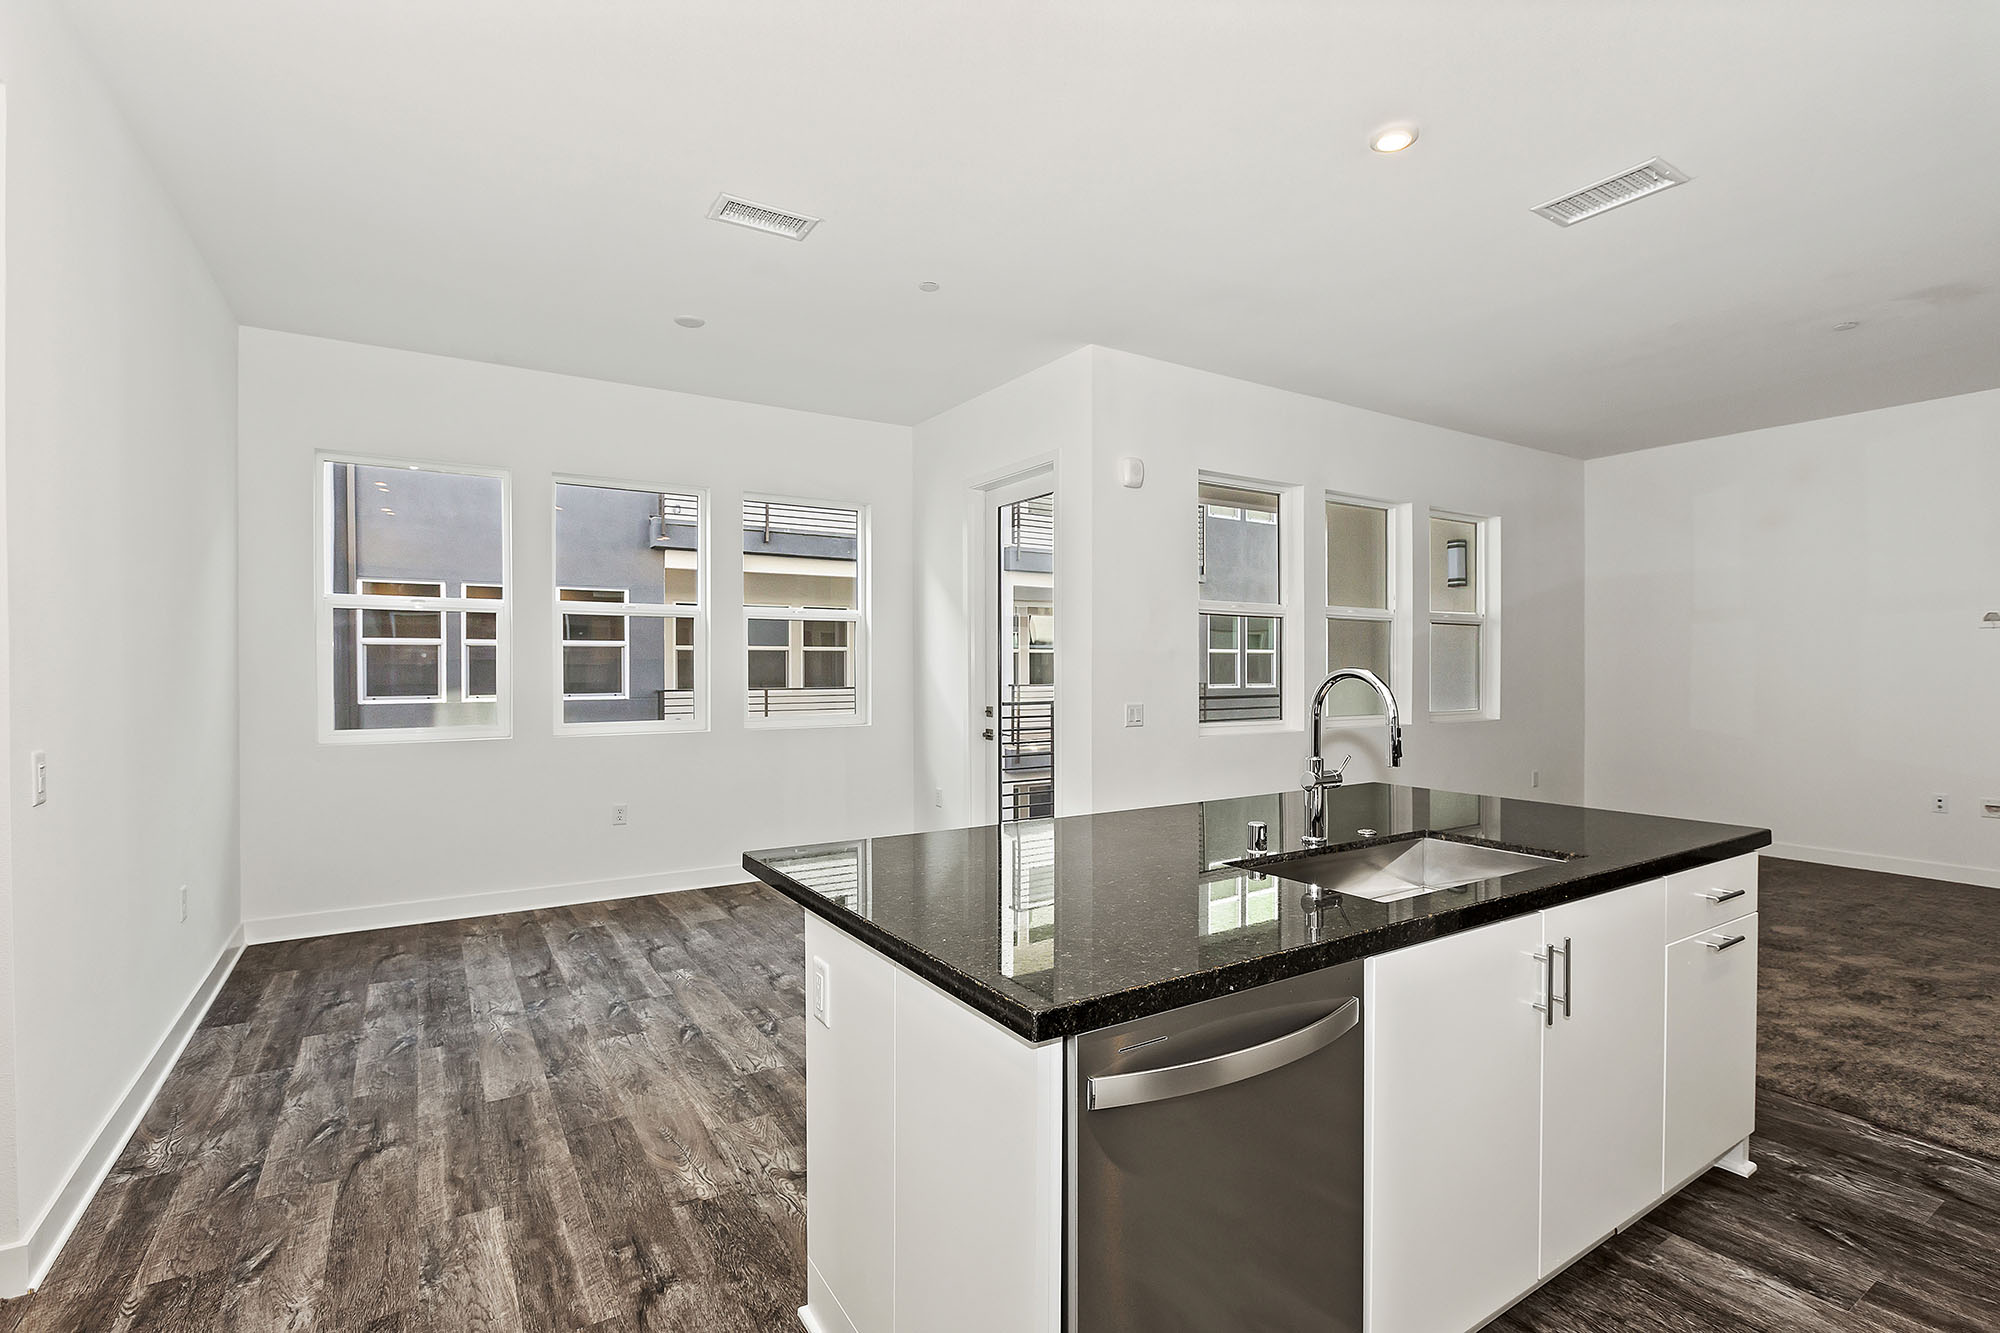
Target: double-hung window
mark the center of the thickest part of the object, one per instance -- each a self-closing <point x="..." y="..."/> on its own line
<point x="1461" y="650"/>
<point x="628" y="607"/>
<point x="1360" y="601"/>
<point x="413" y="614"/>
<point x="804" y="606"/>
<point x="1242" y="613"/>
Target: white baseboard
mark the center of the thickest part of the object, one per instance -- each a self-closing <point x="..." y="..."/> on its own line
<point x="1890" y="865"/>
<point x="25" y="1262"/>
<point x="822" y="1312"/>
<point x="346" y="920"/>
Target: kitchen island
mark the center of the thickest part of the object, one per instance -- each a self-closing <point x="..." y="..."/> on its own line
<point x="1535" y="1057"/>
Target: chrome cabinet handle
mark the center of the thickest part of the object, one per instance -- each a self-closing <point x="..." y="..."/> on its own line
<point x="1730" y="896"/>
<point x="1547" y="1004"/>
<point x="1569" y="973"/>
<point x="1218" y="1071"/>
<point x="1730" y="943"/>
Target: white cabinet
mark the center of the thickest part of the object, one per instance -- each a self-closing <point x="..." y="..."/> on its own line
<point x="1510" y="1137"/>
<point x="1710" y="896"/>
<point x="1711" y="1094"/>
<point x="1601" y="1069"/>
<point x="1454" y="1128"/>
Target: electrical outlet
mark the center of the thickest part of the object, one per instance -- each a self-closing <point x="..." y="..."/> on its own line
<point x="821" y="996"/>
<point x="1535" y="778"/>
<point x="618" y="817"/>
<point x="938" y="798"/>
<point x="184" y="902"/>
<point x="1940" y="804"/>
<point x="38" y="776"/>
<point x="1135" y="715"/>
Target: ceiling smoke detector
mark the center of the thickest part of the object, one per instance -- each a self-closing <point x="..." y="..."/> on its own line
<point x="762" y="217"/>
<point x="1607" y="194"/>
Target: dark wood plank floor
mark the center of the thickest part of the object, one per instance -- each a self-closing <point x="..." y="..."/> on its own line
<point x="592" y="1119"/>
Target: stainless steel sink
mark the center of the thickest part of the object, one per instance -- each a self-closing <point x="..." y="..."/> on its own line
<point x="1392" y="870"/>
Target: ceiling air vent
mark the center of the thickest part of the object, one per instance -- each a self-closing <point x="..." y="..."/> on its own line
<point x="762" y="217"/>
<point x="1642" y="180"/>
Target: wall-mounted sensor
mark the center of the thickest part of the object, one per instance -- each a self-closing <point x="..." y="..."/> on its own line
<point x="1992" y="620"/>
<point x="1132" y="473"/>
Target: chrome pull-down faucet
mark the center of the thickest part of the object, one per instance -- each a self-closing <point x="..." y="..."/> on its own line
<point x="1317" y="779"/>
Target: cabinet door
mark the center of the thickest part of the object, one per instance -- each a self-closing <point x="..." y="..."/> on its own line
<point x="1711" y="1047"/>
<point x="1454" y="1107"/>
<point x="1602" y="1068"/>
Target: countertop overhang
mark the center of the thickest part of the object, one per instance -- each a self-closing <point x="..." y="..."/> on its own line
<point x="1053" y="927"/>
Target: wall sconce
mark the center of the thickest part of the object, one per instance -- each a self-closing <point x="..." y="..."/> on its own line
<point x="1457" y="558"/>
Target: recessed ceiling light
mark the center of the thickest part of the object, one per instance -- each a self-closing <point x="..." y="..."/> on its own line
<point x="1393" y="138"/>
<point x="1847" y="326"/>
<point x="690" y="322"/>
<point x="927" y="286"/>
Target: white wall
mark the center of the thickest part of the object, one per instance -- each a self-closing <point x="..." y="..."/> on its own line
<point x="1041" y="418"/>
<point x="1783" y="631"/>
<point x="340" y="836"/>
<point x="1126" y="566"/>
<point x="121" y="569"/>
<point x="1183" y="422"/>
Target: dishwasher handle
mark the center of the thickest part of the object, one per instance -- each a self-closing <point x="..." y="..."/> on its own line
<point x="1219" y="1071"/>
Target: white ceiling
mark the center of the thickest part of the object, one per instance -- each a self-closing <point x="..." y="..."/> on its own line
<point x="525" y="181"/>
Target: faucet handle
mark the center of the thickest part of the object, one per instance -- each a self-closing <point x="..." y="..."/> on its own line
<point x="1341" y="772"/>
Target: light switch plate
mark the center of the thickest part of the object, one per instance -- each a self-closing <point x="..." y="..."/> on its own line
<point x="1135" y="715"/>
<point x="820" y="994"/>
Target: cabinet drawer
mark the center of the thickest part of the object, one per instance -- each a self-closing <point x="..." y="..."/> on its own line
<point x="1705" y="898"/>
<point x="1711" y="1101"/>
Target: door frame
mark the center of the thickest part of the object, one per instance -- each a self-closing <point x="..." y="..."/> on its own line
<point x="1022" y="482"/>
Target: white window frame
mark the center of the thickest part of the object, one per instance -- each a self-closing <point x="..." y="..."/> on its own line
<point x="857" y="619"/>
<point x="1485" y="619"/>
<point x="466" y="643"/>
<point x="331" y="603"/>
<point x="1396" y="617"/>
<point x="1286" y="497"/>
<point x="697" y="612"/>
<point x="621" y="610"/>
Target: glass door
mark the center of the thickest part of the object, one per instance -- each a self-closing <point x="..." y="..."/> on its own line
<point x="1022" y="717"/>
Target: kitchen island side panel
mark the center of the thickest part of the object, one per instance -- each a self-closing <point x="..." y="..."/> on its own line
<point x="938" y="1136"/>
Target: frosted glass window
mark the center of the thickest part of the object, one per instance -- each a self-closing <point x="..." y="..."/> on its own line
<point x="1357" y="556"/>
<point x="1455" y="668"/>
<point x="1455" y="566"/>
<point x="1356" y="643"/>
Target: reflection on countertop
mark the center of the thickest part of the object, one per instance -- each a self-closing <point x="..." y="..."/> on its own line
<point x="1057" y="926"/>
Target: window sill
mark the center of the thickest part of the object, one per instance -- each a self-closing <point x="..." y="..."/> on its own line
<point x="1463" y="717"/>
<point x="658" y="728"/>
<point x="414" y="735"/>
<point x="1275" y="726"/>
<point x="801" y="723"/>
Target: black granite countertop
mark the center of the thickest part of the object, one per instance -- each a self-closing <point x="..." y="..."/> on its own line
<point x="1053" y="927"/>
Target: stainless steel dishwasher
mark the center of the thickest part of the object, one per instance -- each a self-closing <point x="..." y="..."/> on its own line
<point x="1215" y="1165"/>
